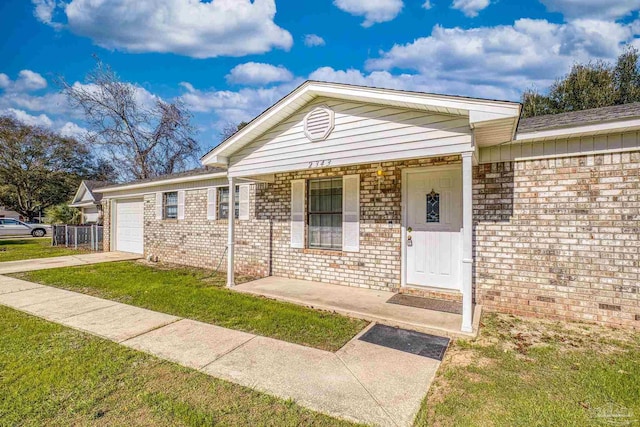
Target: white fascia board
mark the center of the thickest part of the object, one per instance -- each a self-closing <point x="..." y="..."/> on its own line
<point x="82" y="205"/>
<point x="459" y="104"/>
<point x="593" y="129"/>
<point x="493" y="109"/>
<point x="134" y="186"/>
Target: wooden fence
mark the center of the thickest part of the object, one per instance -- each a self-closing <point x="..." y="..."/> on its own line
<point x="78" y="236"/>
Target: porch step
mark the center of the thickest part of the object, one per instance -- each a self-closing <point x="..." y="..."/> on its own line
<point x="426" y="303"/>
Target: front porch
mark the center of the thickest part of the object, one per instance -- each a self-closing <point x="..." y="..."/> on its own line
<point x="367" y="304"/>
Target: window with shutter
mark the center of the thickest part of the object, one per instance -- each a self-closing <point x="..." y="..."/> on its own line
<point x="223" y="206"/>
<point x="325" y="213"/>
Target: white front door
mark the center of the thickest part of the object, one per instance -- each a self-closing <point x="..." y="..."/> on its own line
<point x="433" y="221"/>
<point x="129" y="226"/>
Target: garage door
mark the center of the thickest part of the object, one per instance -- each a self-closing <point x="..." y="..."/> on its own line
<point x="129" y="226"/>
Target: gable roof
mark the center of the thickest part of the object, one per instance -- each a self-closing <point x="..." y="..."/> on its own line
<point x="481" y="112"/>
<point x="595" y="121"/>
<point x="88" y="186"/>
<point x="184" y="176"/>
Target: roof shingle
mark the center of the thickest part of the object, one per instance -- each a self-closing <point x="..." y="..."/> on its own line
<point x="579" y="118"/>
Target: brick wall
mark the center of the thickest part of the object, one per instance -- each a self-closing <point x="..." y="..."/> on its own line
<point x="199" y="242"/>
<point x="378" y="263"/>
<point x="559" y="238"/>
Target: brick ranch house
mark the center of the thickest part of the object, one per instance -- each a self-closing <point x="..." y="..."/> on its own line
<point x="444" y="196"/>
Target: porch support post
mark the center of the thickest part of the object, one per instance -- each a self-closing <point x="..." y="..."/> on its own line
<point x="231" y="232"/>
<point x="467" y="242"/>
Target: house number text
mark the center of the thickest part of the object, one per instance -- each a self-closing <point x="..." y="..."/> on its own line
<point x="319" y="163"/>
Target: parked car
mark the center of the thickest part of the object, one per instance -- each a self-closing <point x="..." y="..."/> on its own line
<point x="13" y="227"/>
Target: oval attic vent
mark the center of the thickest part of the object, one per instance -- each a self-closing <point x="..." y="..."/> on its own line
<point x="319" y="123"/>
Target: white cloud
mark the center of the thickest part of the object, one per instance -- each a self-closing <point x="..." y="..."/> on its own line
<point x="257" y="73"/>
<point x="185" y="27"/>
<point x="470" y="8"/>
<point x="5" y="81"/>
<point x="374" y="11"/>
<point x="28" y="119"/>
<point x="44" y="10"/>
<point x="508" y="57"/>
<point x="72" y="130"/>
<point x="311" y="40"/>
<point x="427" y="5"/>
<point x="595" y="9"/>
<point x="414" y="82"/>
<point x="27" y="81"/>
<point x="235" y="106"/>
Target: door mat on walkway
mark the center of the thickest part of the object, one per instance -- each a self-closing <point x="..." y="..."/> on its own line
<point x="426" y="345"/>
<point x="426" y="303"/>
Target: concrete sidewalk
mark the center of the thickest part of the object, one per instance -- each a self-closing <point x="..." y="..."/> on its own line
<point x="64" y="261"/>
<point x="361" y="382"/>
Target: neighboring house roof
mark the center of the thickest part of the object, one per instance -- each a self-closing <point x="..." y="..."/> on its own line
<point x="92" y="185"/>
<point x="576" y="118"/>
<point x="595" y="121"/>
<point x="88" y="187"/>
<point x="189" y="175"/>
<point x="494" y="121"/>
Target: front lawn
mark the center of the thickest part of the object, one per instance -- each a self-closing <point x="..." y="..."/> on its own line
<point x="29" y="248"/>
<point x="53" y="375"/>
<point x="201" y="295"/>
<point x="537" y="373"/>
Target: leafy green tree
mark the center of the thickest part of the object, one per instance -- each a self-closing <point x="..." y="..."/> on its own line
<point x="62" y="214"/>
<point x="591" y="85"/>
<point x="39" y="168"/>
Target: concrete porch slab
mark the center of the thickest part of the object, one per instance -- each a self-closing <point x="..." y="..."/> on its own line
<point x="360" y="303"/>
<point x="189" y="343"/>
<point x="64" y="261"/>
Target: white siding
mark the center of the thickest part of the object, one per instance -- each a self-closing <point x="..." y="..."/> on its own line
<point x="560" y="147"/>
<point x="168" y="187"/>
<point x="362" y="133"/>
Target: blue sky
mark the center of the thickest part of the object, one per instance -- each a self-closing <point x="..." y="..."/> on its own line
<point x="230" y="59"/>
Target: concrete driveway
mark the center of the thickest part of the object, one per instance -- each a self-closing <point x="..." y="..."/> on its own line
<point x="64" y="261"/>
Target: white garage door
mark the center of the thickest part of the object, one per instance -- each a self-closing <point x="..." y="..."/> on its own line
<point x="129" y="226"/>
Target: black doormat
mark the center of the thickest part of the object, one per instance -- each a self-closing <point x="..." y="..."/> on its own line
<point x="426" y="303"/>
<point x="426" y="345"/>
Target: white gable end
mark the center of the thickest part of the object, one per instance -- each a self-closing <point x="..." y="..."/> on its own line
<point x="361" y="133"/>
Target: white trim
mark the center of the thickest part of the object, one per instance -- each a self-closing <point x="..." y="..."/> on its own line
<point x="576" y="131"/>
<point x="231" y="234"/>
<point x="575" y="154"/>
<point x="467" y="242"/>
<point x="135" y="186"/>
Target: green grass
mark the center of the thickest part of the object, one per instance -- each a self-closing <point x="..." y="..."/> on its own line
<point x="536" y="373"/>
<point x="199" y="295"/>
<point x="29" y="248"/>
<point x="55" y="376"/>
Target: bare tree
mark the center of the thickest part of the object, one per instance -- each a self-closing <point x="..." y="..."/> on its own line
<point x="230" y="129"/>
<point x="141" y="139"/>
